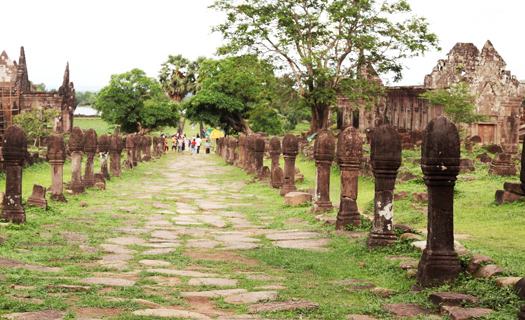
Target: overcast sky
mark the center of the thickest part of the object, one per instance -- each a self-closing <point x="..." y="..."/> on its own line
<point x="103" y="37"/>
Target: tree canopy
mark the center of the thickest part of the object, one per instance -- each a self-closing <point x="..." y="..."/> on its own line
<point x="231" y="88"/>
<point x="457" y="102"/>
<point x="320" y="43"/>
<point x="87" y="98"/>
<point x="136" y="102"/>
<point x="178" y="76"/>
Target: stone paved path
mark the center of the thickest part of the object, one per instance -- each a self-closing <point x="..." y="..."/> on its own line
<point x="184" y="213"/>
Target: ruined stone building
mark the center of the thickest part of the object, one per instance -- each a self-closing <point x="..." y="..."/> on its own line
<point x="18" y="95"/>
<point x="499" y="97"/>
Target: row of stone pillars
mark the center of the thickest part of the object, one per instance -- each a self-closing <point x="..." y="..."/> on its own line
<point x="14" y="150"/>
<point x="440" y="161"/>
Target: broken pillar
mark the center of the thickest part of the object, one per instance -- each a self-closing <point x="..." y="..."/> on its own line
<point x="103" y="150"/>
<point x="386" y="160"/>
<point x="290" y="150"/>
<point x="275" y="154"/>
<point x="503" y="165"/>
<point x="14" y="152"/>
<point x="76" y="146"/>
<point x="56" y="153"/>
<point x="38" y="197"/>
<point x="440" y="160"/>
<point x="100" y="182"/>
<point x="349" y="157"/>
<point x="324" y="153"/>
<point x="90" y="148"/>
<point x="259" y="156"/>
<point x="116" y="144"/>
<point x="250" y="154"/>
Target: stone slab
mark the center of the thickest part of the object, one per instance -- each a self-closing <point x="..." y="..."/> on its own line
<point x="171" y="313"/>
<point x="251" y="297"/>
<point x="451" y="298"/>
<point x="292" y="235"/>
<point x="405" y="310"/>
<point x="465" y="313"/>
<point x="37" y="315"/>
<point x="111" y="282"/>
<point x="283" y="306"/>
<point x="127" y="241"/>
<point x="220" y="282"/>
<point x="214" y="293"/>
<point x="313" y="245"/>
<point x="154" y="252"/>
<point x="154" y="263"/>
<point x="114" y="248"/>
<point x="183" y="273"/>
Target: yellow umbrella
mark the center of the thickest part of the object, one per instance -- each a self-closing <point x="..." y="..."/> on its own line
<point x="216" y="134"/>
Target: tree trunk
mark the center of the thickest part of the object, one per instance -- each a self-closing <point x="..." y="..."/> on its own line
<point x="201" y="128"/>
<point x="180" y="126"/>
<point x="319" y="121"/>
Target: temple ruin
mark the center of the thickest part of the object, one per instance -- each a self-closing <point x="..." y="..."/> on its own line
<point x="18" y="95"/>
<point x="499" y="97"/>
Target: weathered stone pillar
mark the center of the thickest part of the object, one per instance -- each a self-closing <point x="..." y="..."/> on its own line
<point x="76" y="146"/>
<point x="275" y="154"/>
<point x="14" y="151"/>
<point x="146" y="143"/>
<point x="230" y="150"/>
<point x="242" y="139"/>
<point x="103" y="149"/>
<point x="290" y="150"/>
<point x="259" y="156"/>
<point x="115" y="153"/>
<point x="440" y="159"/>
<point x="129" y="162"/>
<point x="90" y="148"/>
<point x="324" y="153"/>
<point x="349" y="157"/>
<point x="56" y="153"/>
<point x="136" y="149"/>
<point x="38" y="197"/>
<point x="386" y="160"/>
<point x="247" y="164"/>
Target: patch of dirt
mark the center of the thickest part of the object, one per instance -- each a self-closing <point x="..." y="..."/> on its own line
<point x="97" y="312"/>
<point x="218" y="255"/>
<point x="106" y="290"/>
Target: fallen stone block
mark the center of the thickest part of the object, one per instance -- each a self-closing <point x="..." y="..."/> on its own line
<point x="283" y="306"/>
<point x="505" y="196"/>
<point x="490" y="270"/>
<point x="297" y="198"/>
<point x="453" y="299"/>
<point x="465" y="313"/>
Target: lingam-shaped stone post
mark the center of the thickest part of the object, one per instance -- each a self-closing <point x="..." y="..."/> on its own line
<point x="324" y="153"/>
<point x="130" y="143"/>
<point x="386" y="160"/>
<point x="146" y="140"/>
<point x="136" y="148"/>
<point x="275" y="154"/>
<point x="76" y="146"/>
<point x="56" y="153"/>
<point x="440" y="160"/>
<point x="259" y="156"/>
<point x="235" y="153"/>
<point x="90" y="148"/>
<point x="103" y="149"/>
<point x="14" y="151"/>
<point x="290" y="150"/>
<point x="230" y="151"/>
<point x="349" y="156"/>
<point x="242" y="139"/>
<point x="247" y="164"/>
<point x="115" y="153"/>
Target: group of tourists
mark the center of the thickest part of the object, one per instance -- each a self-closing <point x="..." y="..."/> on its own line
<point x="181" y="142"/>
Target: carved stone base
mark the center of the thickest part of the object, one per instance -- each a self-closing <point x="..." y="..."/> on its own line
<point x="348" y="215"/>
<point x="37" y="202"/>
<point x="380" y="240"/>
<point x="287" y="189"/>
<point x="438" y="267"/>
<point x="58" y="197"/>
<point x="322" y="206"/>
<point x="15" y="215"/>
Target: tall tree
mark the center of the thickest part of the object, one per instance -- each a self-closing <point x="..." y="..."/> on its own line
<point x="136" y="102"/>
<point x="178" y="77"/>
<point x="231" y="89"/>
<point x="321" y="42"/>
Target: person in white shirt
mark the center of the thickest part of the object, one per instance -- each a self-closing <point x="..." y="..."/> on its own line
<point x="198" y="140"/>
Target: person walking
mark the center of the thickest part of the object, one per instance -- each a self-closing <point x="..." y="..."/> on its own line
<point x="193" y="144"/>
<point x="198" y="141"/>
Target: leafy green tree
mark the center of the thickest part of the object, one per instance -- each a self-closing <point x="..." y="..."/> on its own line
<point x="457" y="102"/>
<point x="264" y="118"/>
<point x="231" y="89"/>
<point x="136" y="102"/>
<point x="87" y="98"/>
<point x="178" y="76"/>
<point x="318" y="43"/>
<point x="37" y="123"/>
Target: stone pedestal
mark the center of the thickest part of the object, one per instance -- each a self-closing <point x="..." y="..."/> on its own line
<point x="275" y="154"/>
<point x="259" y="156"/>
<point x="116" y="144"/>
<point x="103" y="149"/>
<point x="290" y="150"/>
<point x="250" y="153"/>
<point x="349" y="157"/>
<point x="136" y="149"/>
<point x="503" y="165"/>
<point x="100" y="182"/>
<point x="56" y="153"/>
<point x="76" y="146"/>
<point x="386" y="160"/>
<point x="90" y="148"/>
<point x="440" y="154"/>
<point x="38" y="197"/>
<point x="14" y="152"/>
<point x="324" y="153"/>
